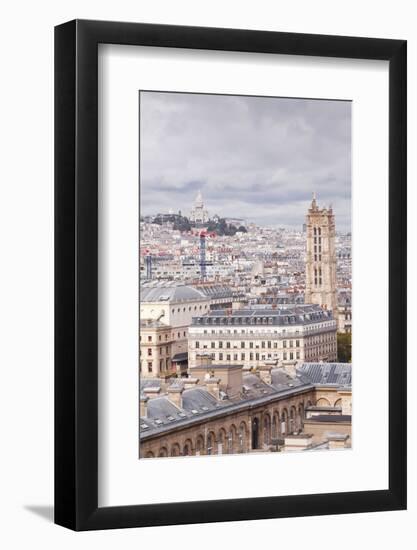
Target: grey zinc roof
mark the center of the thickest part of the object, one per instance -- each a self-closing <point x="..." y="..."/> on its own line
<point x="150" y="383"/>
<point x="160" y="407"/>
<point x="216" y="291"/>
<point x="198" y="399"/>
<point x="253" y="387"/>
<point x="327" y="373"/>
<point x="151" y="426"/>
<point x="281" y="380"/>
<point x="168" y="293"/>
<point x="285" y="316"/>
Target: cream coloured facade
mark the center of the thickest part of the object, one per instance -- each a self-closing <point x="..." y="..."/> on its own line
<point x="165" y="315"/>
<point x="155" y="350"/>
<point x="166" y="312"/>
<point x="251" y="337"/>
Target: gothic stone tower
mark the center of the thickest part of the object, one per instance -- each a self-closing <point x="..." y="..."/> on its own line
<point x="321" y="258"/>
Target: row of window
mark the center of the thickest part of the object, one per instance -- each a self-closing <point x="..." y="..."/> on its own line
<point x="178" y="335"/>
<point x="287" y="319"/>
<point x="321" y="338"/>
<point x="190" y="308"/>
<point x="160" y="350"/>
<point x="246" y="331"/>
<point x="164" y="365"/>
<point x="327" y="348"/>
<point x="255" y="356"/>
<point x="250" y="345"/>
<point x="283" y="333"/>
<point x="328" y="352"/>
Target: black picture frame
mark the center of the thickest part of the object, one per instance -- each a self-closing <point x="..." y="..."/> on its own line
<point x="76" y="272"/>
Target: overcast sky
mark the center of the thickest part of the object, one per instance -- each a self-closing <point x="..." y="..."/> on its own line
<point x="254" y="158"/>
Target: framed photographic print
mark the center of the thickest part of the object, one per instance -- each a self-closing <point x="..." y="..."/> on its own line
<point x="230" y="275"/>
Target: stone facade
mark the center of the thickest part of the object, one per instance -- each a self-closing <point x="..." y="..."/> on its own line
<point x="255" y="426"/>
<point x="166" y="312"/>
<point x="251" y="337"/>
<point x="199" y="215"/>
<point x="321" y="258"/>
<point x="329" y="428"/>
<point x="252" y="428"/>
<point x="155" y="350"/>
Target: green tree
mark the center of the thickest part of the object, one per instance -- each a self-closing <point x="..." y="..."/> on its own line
<point x="181" y="223"/>
<point x="344" y="347"/>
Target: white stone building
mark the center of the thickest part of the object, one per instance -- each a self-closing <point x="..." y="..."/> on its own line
<point x="199" y="214"/>
<point x="251" y="337"/>
<point x="166" y="312"/>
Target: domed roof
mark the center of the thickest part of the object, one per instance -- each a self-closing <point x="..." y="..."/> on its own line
<point x="177" y="293"/>
<point x="199" y="200"/>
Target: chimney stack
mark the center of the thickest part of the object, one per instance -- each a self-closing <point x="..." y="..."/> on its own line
<point x="290" y="368"/>
<point x="175" y="394"/>
<point x="213" y="387"/>
<point x="151" y="391"/>
<point x="143" y="406"/>
<point x="265" y="373"/>
<point x="190" y="382"/>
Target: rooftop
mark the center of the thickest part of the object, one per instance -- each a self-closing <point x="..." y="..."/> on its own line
<point x="172" y="291"/>
<point x="327" y="373"/>
<point x="199" y="404"/>
<point x="295" y="315"/>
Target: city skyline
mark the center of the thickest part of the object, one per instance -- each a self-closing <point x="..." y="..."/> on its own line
<point x="264" y="156"/>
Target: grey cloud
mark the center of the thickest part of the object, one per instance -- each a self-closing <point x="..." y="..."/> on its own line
<point x="258" y="158"/>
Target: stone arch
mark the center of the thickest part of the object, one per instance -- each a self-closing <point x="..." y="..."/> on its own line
<point x="243" y="437"/>
<point x="149" y="454"/>
<point x="301" y="415"/>
<point x="255" y="433"/>
<point x="222" y="441"/>
<point x="175" y="450"/>
<point x="187" y="450"/>
<point x="284" y="421"/>
<point x="323" y="402"/>
<point x="275" y="425"/>
<point x="266" y="431"/>
<point x="199" y="445"/>
<point x="338" y="402"/>
<point x="163" y="451"/>
<point x="232" y="443"/>
<point x="211" y="443"/>
<point x="293" y="419"/>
